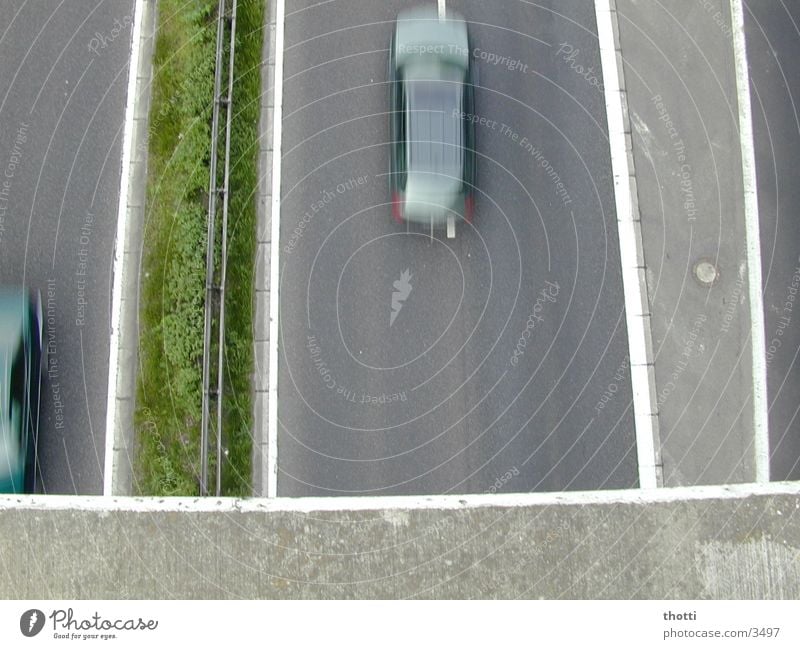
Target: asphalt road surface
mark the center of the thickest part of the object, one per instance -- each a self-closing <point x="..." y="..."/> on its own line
<point x="416" y="365"/>
<point x="773" y="50"/>
<point x="63" y="76"/>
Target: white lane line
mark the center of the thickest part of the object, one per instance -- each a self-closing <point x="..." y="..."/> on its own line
<point x="119" y="252"/>
<point x="274" y="269"/>
<point x="442" y="10"/>
<point x="632" y="275"/>
<point x="757" y="335"/>
<point x="407" y="503"/>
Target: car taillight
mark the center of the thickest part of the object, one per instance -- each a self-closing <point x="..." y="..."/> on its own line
<point x="469" y="207"/>
<point x="397" y="207"/>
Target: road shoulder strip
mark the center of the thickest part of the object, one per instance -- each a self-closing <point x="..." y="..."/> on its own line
<point x="637" y="311"/>
<point x="119" y="437"/>
<point x="266" y="256"/>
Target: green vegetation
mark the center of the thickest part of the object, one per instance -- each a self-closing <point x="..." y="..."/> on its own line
<point x="173" y="267"/>
<point x="237" y="479"/>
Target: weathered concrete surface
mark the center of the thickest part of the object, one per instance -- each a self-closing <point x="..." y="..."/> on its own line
<point x="715" y="543"/>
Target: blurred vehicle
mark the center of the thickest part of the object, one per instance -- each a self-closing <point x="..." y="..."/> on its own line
<point x="432" y="135"/>
<point x="21" y="361"/>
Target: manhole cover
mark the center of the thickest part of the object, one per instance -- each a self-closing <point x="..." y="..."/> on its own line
<point x="705" y="272"/>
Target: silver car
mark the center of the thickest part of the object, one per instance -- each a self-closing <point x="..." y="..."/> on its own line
<point x="433" y="141"/>
<point x="21" y="361"/>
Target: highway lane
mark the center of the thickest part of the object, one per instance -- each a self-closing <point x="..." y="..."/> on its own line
<point x="773" y="46"/>
<point x="505" y="365"/>
<point x="63" y="79"/>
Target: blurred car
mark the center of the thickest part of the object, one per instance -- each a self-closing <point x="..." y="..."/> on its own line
<point x="433" y="140"/>
<point x="21" y="360"/>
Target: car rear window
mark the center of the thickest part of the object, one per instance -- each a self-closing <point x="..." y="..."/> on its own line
<point x="435" y="126"/>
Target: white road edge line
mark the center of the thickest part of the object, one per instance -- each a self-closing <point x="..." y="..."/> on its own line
<point x="632" y="279"/>
<point x="274" y="268"/>
<point x="751" y="220"/>
<point x="442" y="10"/>
<point x="119" y="252"/>
<point x="467" y="502"/>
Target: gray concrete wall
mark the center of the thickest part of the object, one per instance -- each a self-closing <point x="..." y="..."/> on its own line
<point x="717" y="543"/>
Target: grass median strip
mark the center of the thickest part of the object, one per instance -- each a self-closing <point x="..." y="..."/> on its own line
<point x="172" y="294"/>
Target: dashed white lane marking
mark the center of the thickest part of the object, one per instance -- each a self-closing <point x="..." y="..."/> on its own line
<point x="442" y="10"/>
<point x="274" y="282"/>
<point x="119" y="252"/>
<point x="632" y="275"/>
<point x="757" y="335"/>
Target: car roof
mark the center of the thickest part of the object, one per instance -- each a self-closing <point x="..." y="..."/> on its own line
<point x="435" y="126"/>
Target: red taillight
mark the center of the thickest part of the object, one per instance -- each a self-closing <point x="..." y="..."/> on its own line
<point x="397" y="207"/>
<point x="469" y="207"/>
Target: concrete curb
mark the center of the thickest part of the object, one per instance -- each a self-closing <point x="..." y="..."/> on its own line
<point x="122" y="386"/>
<point x="263" y="261"/>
